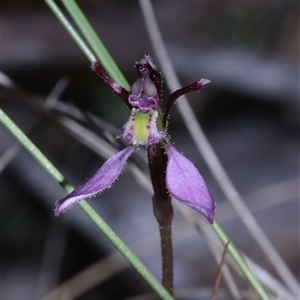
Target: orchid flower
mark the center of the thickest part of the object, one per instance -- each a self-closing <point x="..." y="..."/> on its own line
<point x="147" y="126"/>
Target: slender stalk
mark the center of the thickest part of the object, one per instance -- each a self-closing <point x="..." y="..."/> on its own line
<point x="88" y="210"/>
<point x="165" y="231"/>
<point x="163" y="212"/>
<point x="219" y="273"/>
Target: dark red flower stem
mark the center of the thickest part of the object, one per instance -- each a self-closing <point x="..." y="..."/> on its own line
<point x="163" y="211"/>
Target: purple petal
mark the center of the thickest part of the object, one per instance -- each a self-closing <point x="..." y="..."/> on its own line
<point x="185" y="183"/>
<point x="187" y="89"/>
<point x="99" y="181"/>
<point x="98" y="69"/>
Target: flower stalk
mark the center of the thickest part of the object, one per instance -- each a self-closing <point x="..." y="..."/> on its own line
<point x="163" y="212"/>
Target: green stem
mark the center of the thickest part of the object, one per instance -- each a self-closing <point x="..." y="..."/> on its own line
<point x="240" y="261"/>
<point x="89" y="211"/>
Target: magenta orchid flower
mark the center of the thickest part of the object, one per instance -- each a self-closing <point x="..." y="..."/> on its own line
<point x="147" y="127"/>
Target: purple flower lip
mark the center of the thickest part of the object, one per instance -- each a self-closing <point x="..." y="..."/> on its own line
<point x="147" y="126"/>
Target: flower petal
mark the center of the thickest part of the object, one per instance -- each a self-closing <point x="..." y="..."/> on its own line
<point x="98" y="69"/>
<point x="99" y="181"/>
<point x="185" y="183"/>
<point x="187" y="89"/>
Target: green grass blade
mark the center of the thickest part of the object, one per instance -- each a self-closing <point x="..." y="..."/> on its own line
<point x="95" y="43"/>
<point x="70" y="29"/>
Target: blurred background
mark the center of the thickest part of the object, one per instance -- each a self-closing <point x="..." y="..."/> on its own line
<point x="250" y="113"/>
